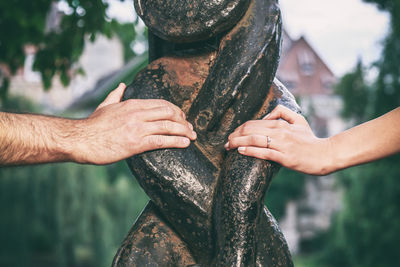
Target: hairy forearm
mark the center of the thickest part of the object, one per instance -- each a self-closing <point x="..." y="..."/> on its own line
<point x="367" y="142"/>
<point x="28" y="138"/>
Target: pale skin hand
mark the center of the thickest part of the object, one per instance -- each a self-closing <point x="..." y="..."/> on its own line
<point x="294" y="145"/>
<point x="116" y="130"/>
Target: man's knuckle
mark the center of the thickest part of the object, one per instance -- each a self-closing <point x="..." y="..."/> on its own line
<point x="157" y="141"/>
<point x="168" y="111"/>
<point x="168" y="126"/>
<point x="132" y="125"/>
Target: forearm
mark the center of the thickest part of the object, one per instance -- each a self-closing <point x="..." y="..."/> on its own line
<point x="367" y="142"/>
<point x="28" y="139"/>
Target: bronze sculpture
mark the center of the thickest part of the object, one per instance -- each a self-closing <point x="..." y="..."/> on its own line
<point x="216" y="59"/>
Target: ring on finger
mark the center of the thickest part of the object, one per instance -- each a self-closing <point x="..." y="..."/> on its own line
<point x="268" y="141"/>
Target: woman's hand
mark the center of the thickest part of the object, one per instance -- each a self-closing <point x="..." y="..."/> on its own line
<point x="289" y="142"/>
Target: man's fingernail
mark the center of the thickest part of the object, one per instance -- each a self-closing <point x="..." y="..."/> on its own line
<point x="241" y="149"/>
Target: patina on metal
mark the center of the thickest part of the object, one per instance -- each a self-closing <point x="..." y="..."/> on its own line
<point x="206" y="206"/>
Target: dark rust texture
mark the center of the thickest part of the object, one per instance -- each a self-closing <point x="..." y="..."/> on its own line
<point x="190" y="20"/>
<point x="207" y="204"/>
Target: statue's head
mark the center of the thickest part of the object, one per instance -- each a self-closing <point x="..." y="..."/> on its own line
<point x="184" y="21"/>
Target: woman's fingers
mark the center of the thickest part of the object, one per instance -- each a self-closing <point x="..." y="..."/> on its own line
<point x="262" y="153"/>
<point x="259" y="127"/>
<point x="282" y="112"/>
<point x="262" y="141"/>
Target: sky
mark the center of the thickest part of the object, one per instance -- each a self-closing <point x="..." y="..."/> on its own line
<point x="341" y="31"/>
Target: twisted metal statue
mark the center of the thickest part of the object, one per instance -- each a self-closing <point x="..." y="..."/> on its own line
<point x="216" y="59"/>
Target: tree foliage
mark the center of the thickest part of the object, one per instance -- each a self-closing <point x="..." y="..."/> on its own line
<point x="354" y="89"/>
<point x="387" y="93"/>
<point x="65" y="214"/>
<point x="24" y="22"/>
<point x="287" y="185"/>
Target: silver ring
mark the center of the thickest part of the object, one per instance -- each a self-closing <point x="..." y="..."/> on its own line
<point x="268" y="141"/>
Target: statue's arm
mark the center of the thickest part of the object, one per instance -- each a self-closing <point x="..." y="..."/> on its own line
<point x="180" y="182"/>
<point x="248" y="55"/>
<point x="238" y="207"/>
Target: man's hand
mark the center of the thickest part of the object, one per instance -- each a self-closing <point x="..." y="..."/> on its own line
<point x="117" y="130"/>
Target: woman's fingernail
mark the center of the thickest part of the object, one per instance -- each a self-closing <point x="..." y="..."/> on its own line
<point x="190" y="126"/>
<point x="241" y="149"/>
<point x="194" y="134"/>
<point x="226" y="145"/>
<point x="267" y="116"/>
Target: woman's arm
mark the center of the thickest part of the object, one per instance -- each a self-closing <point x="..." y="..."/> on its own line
<point x="294" y="145"/>
<point x="115" y="131"/>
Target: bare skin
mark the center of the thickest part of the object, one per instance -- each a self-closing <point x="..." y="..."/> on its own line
<point x="294" y="145"/>
<point x="116" y="130"/>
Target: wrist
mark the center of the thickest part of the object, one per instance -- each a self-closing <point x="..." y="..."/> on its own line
<point x="329" y="162"/>
<point x="75" y="144"/>
<point x="61" y="138"/>
<point x="336" y="159"/>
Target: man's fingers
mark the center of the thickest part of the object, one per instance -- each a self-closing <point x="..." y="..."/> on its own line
<point x="167" y="127"/>
<point x="282" y="112"/>
<point x="162" y="113"/>
<point x="114" y="96"/>
<point x="146" y="104"/>
<point x="262" y="153"/>
<point x="153" y="142"/>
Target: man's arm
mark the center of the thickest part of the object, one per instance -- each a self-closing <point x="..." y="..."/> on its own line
<point x="115" y="131"/>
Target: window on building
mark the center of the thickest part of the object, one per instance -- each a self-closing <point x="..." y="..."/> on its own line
<point x="307" y="62"/>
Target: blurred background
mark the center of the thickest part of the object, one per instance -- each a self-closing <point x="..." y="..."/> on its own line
<point x="341" y="59"/>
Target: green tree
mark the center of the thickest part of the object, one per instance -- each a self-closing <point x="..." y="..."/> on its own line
<point x="60" y="44"/>
<point x="354" y="89"/>
<point x="65" y="214"/>
<point x="287" y="185"/>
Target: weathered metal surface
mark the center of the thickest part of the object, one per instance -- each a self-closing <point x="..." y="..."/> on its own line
<point x="206" y="204"/>
<point x="190" y="20"/>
